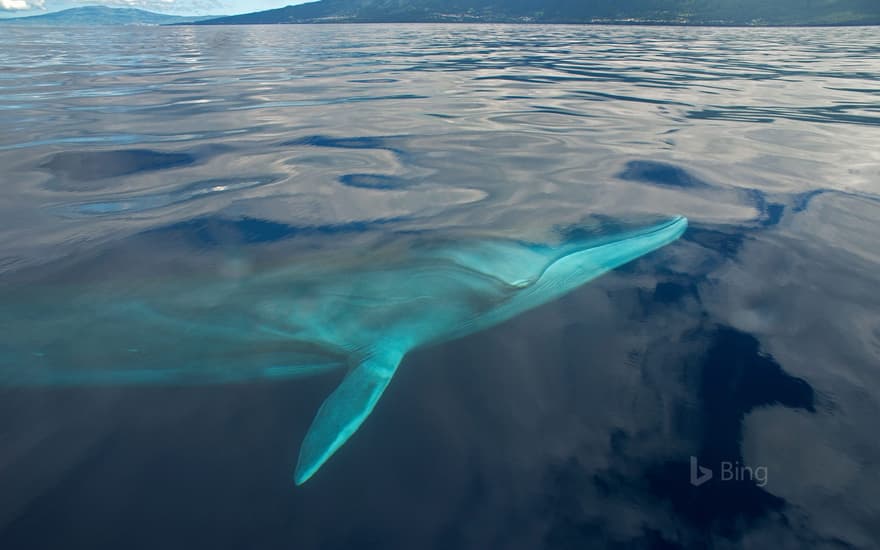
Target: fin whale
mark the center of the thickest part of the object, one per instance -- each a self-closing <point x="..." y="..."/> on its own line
<point x="362" y="312"/>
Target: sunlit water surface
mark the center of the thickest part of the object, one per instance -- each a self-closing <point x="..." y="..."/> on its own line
<point x="754" y="341"/>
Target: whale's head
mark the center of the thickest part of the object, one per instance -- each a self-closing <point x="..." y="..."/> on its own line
<point x="585" y="253"/>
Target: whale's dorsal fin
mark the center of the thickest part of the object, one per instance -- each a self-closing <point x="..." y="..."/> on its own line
<point x="345" y="410"/>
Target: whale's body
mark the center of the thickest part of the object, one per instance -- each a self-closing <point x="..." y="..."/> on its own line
<point x="361" y="312"/>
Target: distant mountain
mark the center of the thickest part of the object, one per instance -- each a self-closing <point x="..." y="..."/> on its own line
<point x="100" y="15"/>
<point x="694" y="12"/>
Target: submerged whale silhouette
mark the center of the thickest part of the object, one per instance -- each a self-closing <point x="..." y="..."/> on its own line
<point x="104" y="324"/>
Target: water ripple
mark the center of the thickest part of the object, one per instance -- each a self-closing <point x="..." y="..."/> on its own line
<point x="116" y="206"/>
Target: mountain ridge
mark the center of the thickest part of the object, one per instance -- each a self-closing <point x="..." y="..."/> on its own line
<point x="680" y="12"/>
<point x="102" y="16"/>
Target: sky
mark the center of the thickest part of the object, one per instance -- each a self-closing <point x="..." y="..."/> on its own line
<point x="19" y="8"/>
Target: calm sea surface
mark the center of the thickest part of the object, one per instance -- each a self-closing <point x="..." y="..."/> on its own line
<point x="750" y="347"/>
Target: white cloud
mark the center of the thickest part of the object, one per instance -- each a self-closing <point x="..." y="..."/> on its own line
<point x="166" y="6"/>
<point x="15" y="5"/>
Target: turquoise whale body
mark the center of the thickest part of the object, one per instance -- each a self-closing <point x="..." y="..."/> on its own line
<point x="104" y="324"/>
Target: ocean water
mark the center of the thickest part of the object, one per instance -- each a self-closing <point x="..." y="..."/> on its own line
<point x="750" y="347"/>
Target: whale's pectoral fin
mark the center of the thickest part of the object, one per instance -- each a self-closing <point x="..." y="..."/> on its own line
<point x="345" y="410"/>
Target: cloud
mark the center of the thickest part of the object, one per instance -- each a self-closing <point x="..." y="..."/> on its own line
<point x="163" y="6"/>
<point x="16" y="5"/>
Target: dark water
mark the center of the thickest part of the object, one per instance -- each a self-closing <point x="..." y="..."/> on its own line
<point x="752" y="344"/>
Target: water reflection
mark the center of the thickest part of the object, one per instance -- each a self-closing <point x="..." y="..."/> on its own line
<point x="73" y="170"/>
<point x="753" y="340"/>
